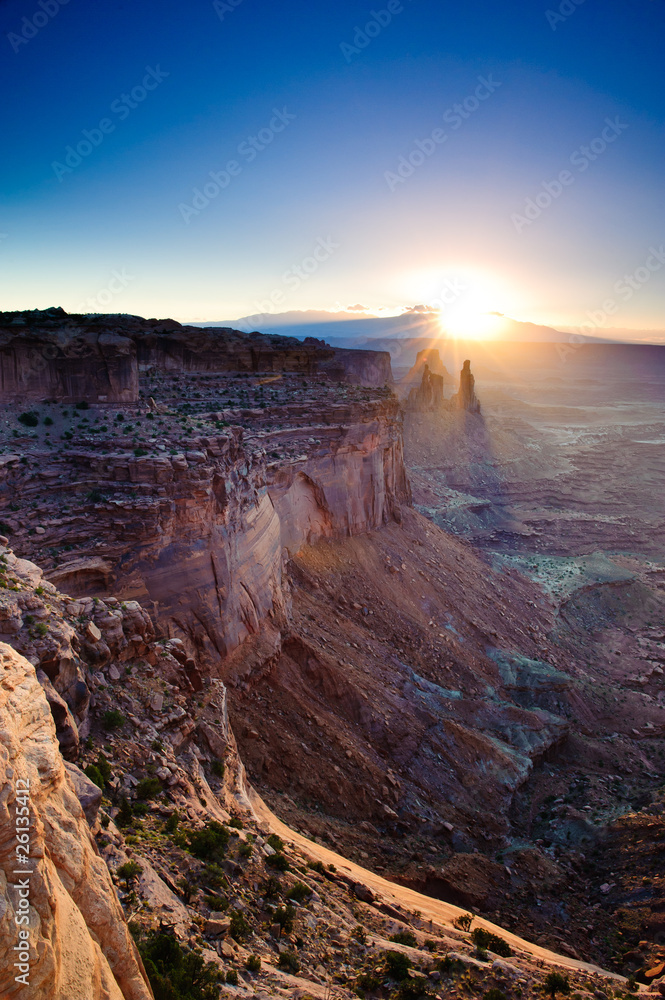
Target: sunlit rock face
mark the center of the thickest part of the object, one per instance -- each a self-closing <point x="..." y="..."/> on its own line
<point x="79" y="944"/>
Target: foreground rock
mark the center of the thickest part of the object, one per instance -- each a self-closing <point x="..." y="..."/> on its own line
<point x="78" y="942"/>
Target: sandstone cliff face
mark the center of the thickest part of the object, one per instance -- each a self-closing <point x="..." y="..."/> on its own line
<point x="79" y="944"/>
<point x="48" y="356"/>
<point x="222" y="515"/>
<point x="369" y="368"/>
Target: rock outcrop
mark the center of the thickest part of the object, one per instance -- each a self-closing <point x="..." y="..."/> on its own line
<point x="77" y="942"/>
<point x="50" y="355"/>
<point x="428" y="395"/>
<point x="466" y="398"/>
<point x="428" y="357"/>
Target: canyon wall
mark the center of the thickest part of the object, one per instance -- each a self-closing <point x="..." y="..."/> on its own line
<point x="48" y="354"/>
<point x="78" y="941"/>
<point x="201" y="536"/>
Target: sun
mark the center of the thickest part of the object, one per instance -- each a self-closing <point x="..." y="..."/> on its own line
<point x="466" y="321"/>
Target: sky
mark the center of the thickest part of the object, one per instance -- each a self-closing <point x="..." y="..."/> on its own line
<point x="218" y="159"/>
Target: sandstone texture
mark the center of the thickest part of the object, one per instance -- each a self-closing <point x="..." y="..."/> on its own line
<point x="79" y="943"/>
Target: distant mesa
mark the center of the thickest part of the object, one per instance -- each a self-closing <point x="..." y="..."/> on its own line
<point x="52" y="355"/>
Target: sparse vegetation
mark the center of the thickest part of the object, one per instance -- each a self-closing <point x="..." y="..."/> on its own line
<point x="485" y="940"/>
<point x="556" y="982"/>
<point x="397" y="965"/>
<point x="405" y="937"/>
<point x="113" y="719"/>
<point x="129" y="872"/>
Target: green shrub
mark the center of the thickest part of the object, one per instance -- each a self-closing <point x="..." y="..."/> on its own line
<point x="235" y="823"/>
<point x="147" y="788"/>
<point x="95" y="775"/>
<point x="96" y="496"/>
<point x="209" y="843"/>
<point x="272" y="887"/>
<point x="555" y="982"/>
<point x="83" y="405"/>
<point x="29" y="419"/>
<point x="299" y="892"/>
<point x="213" y="876"/>
<point x="129" y="872"/>
<point x="412" y="989"/>
<point x="113" y="719"/>
<point x="171" y="825"/>
<point x="284" y="916"/>
<point x="289" y="962"/>
<point x="176" y="974"/>
<point x="239" y="929"/>
<point x="491" y="942"/>
<point x="139" y="452"/>
<point x="279" y="862"/>
<point x="231" y="975"/>
<point x="494" y="994"/>
<point x="318" y="866"/>
<point x="104" y="768"/>
<point x="140" y="808"/>
<point x="405" y="937"/>
<point x="245" y="850"/>
<point x="360" y="934"/>
<point x="125" y="815"/>
<point x="48" y="421"/>
<point x="253" y="963"/>
<point x="276" y="842"/>
<point x="217" y="768"/>
<point x="463" y="922"/>
<point x="368" y="982"/>
<point x="397" y="965"/>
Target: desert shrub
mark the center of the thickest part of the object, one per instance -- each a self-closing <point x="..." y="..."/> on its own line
<point x="278" y="861"/>
<point x="235" y="823"/>
<point x="147" y="788"/>
<point x="494" y="994"/>
<point x="96" y="496"/>
<point x="125" y="814"/>
<point x="231" y="975"/>
<point x="186" y="889"/>
<point x="83" y="405"/>
<point x="359" y="934"/>
<point x="176" y="974"/>
<point x="104" y="767"/>
<point x="448" y="964"/>
<point x="397" y="964"/>
<point x="171" y="824"/>
<point x="412" y="989"/>
<point x="482" y="955"/>
<point x="213" y="876"/>
<point x="209" y="843"/>
<point x="29" y="419"/>
<point x="405" y="937"/>
<point x="368" y="982"/>
<point x="140" y="808"/>
<point x="245" y="850"/>
<point x="463" y="922"/>
<point x="555" y="982"/>
<point x="95" y="775"/>
<point x="253" y="963"/>
<point x="217" y="768"/>
<point x="491" y="942"/>
<point x="299" y="892"/>
<point x="239" y="929"/>
<point x="318" y="866"/>
<point x="276" y="842"/>
<point x="272" y="887"/>
<point x="113" y="719"/>
<point x="284" y="916"/>
<point x="129" y="872"/>
<point x="140" y="451"/>
<point x="289" y="962"/>
<point x="48" y="421"/>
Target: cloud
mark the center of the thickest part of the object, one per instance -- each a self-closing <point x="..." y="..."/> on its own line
<point x="420" y="310"/>
<point x="357" y="308"/>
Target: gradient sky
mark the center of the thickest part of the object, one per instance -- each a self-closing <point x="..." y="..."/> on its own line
<point x="111" y="234"/>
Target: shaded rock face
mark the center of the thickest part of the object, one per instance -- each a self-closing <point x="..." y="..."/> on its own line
<point x="466" y="398"/>
<point x="79" y="943"/>
<point x="66" y="362"/>
<point x="49" y="354"/>
<point x="430" y="358"/>
<point x="369" y="368"/>
<point x="429" y="395"/>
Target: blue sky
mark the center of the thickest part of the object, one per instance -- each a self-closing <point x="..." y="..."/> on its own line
<point x="116" y="227"/>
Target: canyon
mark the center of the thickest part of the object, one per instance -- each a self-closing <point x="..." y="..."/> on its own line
<point x="277" y="558"/>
